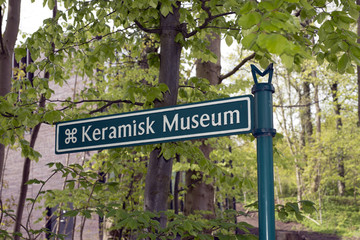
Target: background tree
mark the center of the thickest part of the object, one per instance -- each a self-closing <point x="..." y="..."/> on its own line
<point x="7" y="44"/>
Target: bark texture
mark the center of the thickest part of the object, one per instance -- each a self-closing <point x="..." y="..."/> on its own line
<point x="317" y="179"/>
<point x="339" y="158"/>
<point x="209" y="70"/>
<point x="200" y="196"/>
<point x="7" y="43"/>
<point x="157" y="182"/>
<point x="358" y="67"/>
<point x="306" y="134"/>
<point x="25" y="176"/>
<point x="305" y="114"/>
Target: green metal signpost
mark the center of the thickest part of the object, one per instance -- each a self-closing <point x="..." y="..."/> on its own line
<point x="236" y="115"/>
<point x="264" y="132"/>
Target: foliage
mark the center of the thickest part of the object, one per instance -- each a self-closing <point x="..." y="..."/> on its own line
<point x="114" y="51"/>
<point x="194" y="226"/>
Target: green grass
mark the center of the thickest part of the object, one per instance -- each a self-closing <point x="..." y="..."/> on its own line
<point x="340" y="216"/>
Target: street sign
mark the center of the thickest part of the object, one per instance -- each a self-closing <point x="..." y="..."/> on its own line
<point x="176" y="123"/>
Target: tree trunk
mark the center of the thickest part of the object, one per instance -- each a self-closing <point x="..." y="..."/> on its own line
<point x="25" y="176"/>
<point x="298" y="180"/>
<point x="158" y="177"/>
<point x="176" y="189"/>
<point x="358" y="67"/>
<point x="306" y="132"/>
<point x="201" y="196"/>
<point x="305" y="115"/>
<point x="288" y="128"/>
<point x="317" y="179"/>
<point x="209" y="70"/>
<point x="339" y="154"/>
<point x="7" y="43"/>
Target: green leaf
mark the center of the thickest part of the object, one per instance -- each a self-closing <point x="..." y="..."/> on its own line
<point x="355" y="54"/>
<point x="354" y="13"/>
<point x="182" y="93"/>
<point x="71" y="185"/>
<point x="299" y="216"/>
<point x="321" y="17"/>
<point x="20" y="53"/>
<point x="267" y="5"/>
<point x="320" y="58"/>
<point x="71" y="213"/>
<point x="308" y="206"/>
<point x="228" y="40"/>
<point x="86" y="213"/>
<point x="343" y="45"/>
<point x="287" y="60"/>
<point x="328" y="27"/>
<point x="247" y="7"/>
<point x="346" y="19"/>
<point x="249" y="20"/>
<point x="132" y="224"/>
<point x="342" y="64"/>
<point x="168" y="151"/>
<point x="163" y="87"/>
<point x="249" y="40"/>
<point x="282" y="215"/>
<point x="274" y="43"/>
<point x="305" y="4"/>
<point x="264" y="62"/>
<point x="52" y="116"/>
<point x="51" y="4"/>
<point x="153" y="3"/>
<point x="179" y="37"/>
<point x="34" y="181"/>
<point x="165" y="9"/>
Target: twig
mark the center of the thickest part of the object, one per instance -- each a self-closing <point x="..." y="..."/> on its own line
<point x="109" y="103"/>
<point x="207" y="20"/>
<point x="186" y="86"/>
<point x="36" y="197"/>
<point x="2" y="212"/>
<point x="235" y="69"/>
<point x="311" y="219"/>
<point x="300" y="105"/>
<point x="89" y="41"/>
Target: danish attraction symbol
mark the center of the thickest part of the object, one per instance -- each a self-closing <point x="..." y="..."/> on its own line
<point x="70" y="136"/>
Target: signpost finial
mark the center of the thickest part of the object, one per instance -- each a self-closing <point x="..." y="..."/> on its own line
<point x="269" y="70"/>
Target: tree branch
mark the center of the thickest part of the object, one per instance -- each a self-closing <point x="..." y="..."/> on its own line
<point x="235" y="69"/>
<point x="207" y="20"/>
<point x="1" y="35"/>
<point x="12" y="26"/>
<point x="25" y="176"/>
<point x="206" y="23"/>
<point x="108" y="103"/>
<point x="111" y="103"/>
<point x="88" y="41"/>
<point x="147" y="30"/>
<point x="300" y="105"/>
<point x="192" y="87"/>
